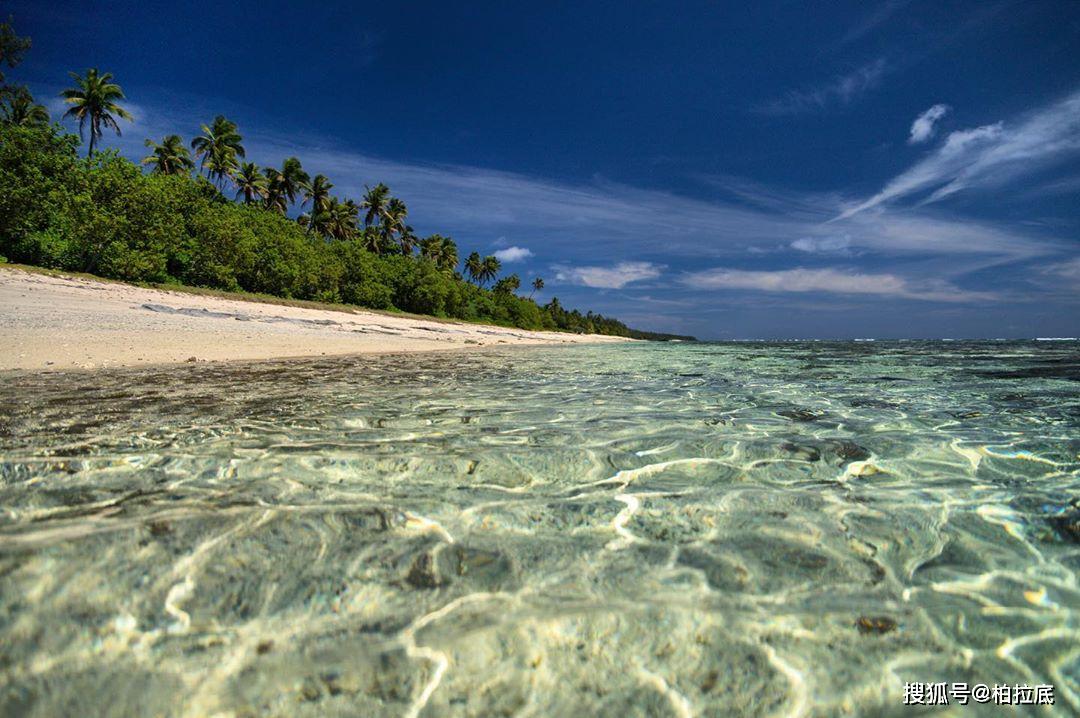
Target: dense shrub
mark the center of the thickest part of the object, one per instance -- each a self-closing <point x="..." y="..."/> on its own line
<point x="38" y="170"/>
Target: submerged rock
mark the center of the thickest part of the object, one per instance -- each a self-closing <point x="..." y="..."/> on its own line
<point x="870" y="403"/>
<point x="424" y="572"/>
<point x="850" y="451"/>
<point x="842" y="449"/>
<point x="489" y="569"/>
<point x="442" y="565"/>
<point x="374" y="518"/>
<point x="801" y="415"/>
<point x="875" y="624"/>
<point x="722" y="572"/>
<point x="801" y="452"/>
<point x="1067" y="526"/>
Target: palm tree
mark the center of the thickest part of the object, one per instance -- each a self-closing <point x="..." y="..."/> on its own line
<point x="408" y="240"/>
<point x="219" y="146"/>
<point x="508" y="285"/>
<point x="448" y="259"/>
<point x="441" y="251"/>
<point x="274" y="199"/>
<point x="94" y="100"/>
<point x="348" y="217"/>
<point x="474" y="265"/>
<point x="393" y="220"/>
<point x="250" y="183"/>
<point x="318" y="193"/>
<point x="18" y="108"/>
<point x="317" y="223"/>
<point x="371" y="241"/>
<point x="294" y="180"/>
<point x="285" y="185"/>
<point x="375" y="203"/>
<point x="170" y="157"/>
<point x="537" y="285"/>
<point x="490" y="269"/>
<point x="342" y="219"/>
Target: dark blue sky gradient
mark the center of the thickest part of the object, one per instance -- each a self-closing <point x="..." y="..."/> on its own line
<point x="676" y="164"/>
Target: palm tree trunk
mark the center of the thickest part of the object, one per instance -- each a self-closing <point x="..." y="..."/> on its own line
<point x="92" y="138"/>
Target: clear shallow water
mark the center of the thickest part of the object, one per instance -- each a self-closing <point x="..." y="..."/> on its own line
<point x="737" y="529"/>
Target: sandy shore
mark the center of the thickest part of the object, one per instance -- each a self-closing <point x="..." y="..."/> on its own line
<point x="50" y="322"/>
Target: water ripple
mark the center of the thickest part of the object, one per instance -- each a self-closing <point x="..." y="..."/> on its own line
<point x="737" y="529"/>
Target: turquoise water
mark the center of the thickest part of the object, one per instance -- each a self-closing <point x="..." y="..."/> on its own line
<point x="714" y="529"/>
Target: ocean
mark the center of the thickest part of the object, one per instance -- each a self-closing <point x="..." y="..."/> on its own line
<point x="731" y="529"/>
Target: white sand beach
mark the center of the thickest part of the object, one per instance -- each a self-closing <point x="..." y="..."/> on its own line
<point x="58" y="322"/>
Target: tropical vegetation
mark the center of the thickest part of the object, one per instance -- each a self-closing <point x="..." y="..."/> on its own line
<point x="207" y="217"/>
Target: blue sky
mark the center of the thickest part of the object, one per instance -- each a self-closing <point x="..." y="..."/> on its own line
<point x="731" y="170"/>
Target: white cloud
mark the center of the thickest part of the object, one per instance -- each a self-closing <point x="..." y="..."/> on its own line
<point x="922" y="128"/>
<point x="827" y="280"/>
<point x="513" y="254"/>
<point x="842" y="90"/>
<point x="615" y="277"/>
<point x="822" y="244"/>
<point x="988" y="155"/>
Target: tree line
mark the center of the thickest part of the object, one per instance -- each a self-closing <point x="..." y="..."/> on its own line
<point x="177" y="222"/>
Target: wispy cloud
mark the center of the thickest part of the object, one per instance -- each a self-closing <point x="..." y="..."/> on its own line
<point x="922" y="128"/>
<point x="1061" y="185"/>
<point x="873" y="20"/>
<point x="828" y="280"/>
<point x="841" y="90"/>
<point x="513" y="254"/>
<point x="1068" y="269"/>
<point x="988" y="155"/>
<point x="838" y="244"/>
<point x="615" y="277"/>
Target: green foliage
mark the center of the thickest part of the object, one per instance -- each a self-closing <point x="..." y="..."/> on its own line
<point x="38" y="174"/>
<point x="104" y="216"/>
<point x="362" y="279"/>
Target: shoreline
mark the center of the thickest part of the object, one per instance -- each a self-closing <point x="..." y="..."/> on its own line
<point x="54" y="322"/>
